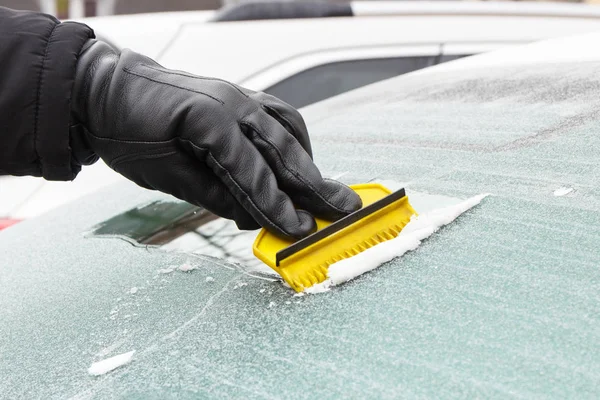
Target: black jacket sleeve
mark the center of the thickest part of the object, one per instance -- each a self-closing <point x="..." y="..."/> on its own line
<point x="38" y="56"/>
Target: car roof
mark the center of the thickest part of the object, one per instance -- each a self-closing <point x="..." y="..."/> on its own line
<point x="503" y="302"/>
<point x="568" y="49"/>
<point x="522" y="8"/>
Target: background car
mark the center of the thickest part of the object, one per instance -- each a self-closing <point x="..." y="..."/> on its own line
<point x="318" y="50"/>
<point x="306" y="60"/>
<point x="501" y="303"/>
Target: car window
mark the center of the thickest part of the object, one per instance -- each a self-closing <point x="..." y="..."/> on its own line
<point x="450" y="57"/>
<point x="329" y="80"/>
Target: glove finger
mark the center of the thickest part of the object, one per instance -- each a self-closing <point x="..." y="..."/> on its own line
<point x="296" y="173"/>
<point x="288" y="117"/>
<point x="248" y="177"/>
<point x="182" y="176"/>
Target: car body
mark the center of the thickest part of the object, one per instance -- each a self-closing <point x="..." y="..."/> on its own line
<point x="307" y="60"/>
<point x="502" y="303"/>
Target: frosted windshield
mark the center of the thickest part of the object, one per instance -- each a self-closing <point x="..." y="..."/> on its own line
<point x="501" y="303"/>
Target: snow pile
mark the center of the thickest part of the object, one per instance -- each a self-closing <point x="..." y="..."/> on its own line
<point x="187" y="267"/>
<point x="104" y="366"/>
<point x="410" y="238"/>
<point x="322" y="287"/>
<point x="563" y="191"/>
<point x="165" y="271"/>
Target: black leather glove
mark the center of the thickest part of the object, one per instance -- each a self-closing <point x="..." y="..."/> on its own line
<point x="243" y="155"/>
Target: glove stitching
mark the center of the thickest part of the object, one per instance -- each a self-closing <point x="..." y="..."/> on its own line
<point x="294" y="173"/>
<point x="127" y="70"/>
<point x="274" y="111"/>
<point x="209" y="154"/>
<point x="131" y="141"/>
<point x="139" y="156"/>
<point x="196" y="77"/>
<point x="295" y="132"/>
<point x="274" y="225"/>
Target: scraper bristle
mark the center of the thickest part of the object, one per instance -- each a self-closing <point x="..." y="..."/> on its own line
<point x="319" y="273"/>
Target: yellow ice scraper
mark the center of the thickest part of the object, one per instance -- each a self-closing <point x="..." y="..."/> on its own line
<point x="305" y="262"/>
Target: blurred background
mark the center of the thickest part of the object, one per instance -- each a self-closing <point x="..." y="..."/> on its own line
<point x="89" y="8"/>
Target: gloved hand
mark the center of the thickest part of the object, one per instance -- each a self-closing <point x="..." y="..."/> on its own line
<point x="243" y="155"/>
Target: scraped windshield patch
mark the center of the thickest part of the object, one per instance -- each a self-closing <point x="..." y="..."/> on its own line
<point x="155" y="223"/>
<point x="182" y="227"/>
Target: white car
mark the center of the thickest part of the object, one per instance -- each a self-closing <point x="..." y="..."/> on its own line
<point x="500" y="304"/>
<point x="310" y="59"/>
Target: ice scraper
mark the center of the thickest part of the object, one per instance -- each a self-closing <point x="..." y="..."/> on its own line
<point x="305" y="262"/>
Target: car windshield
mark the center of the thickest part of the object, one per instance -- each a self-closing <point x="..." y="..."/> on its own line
<point x="501" y="303"/>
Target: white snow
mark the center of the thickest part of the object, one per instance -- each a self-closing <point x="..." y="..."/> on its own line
<point x="563" y="191"/>
<point x="165" y="271"/>
<point x="187" y="267"/>
<point x="104" y="366"/>
<point x="410" y="238"/>
<point x="321" y="287"/>
<point x="210" y="279"/>
<point x="442" y="216"/>
<point x="133" y="290"/>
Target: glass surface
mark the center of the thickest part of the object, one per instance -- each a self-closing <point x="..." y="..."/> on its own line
<point x="329" y="80"/>
<point x="451" y="57"/>
<point x="180" y="227"/>
<point x="154" y="223"/>
<point x="502" y="303"/>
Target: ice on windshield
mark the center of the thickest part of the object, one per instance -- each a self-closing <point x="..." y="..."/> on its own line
<point x="107" y="365"/>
